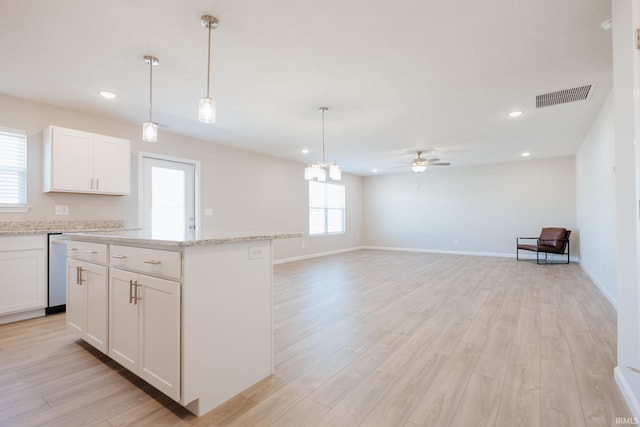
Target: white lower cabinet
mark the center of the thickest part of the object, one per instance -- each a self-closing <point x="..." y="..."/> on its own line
<point x="87" y="315"/>
<point x="22" y="274"/>
<point x="144" y="328"/>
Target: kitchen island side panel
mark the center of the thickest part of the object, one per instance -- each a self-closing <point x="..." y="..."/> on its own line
<point x="227" y="337"/>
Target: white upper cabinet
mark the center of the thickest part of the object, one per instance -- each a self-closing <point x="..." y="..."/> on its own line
<point x="82" y="162"/>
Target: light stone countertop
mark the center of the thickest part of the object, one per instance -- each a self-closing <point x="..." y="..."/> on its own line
<point x="203" y="238"/>
<point x="17" y="228"/>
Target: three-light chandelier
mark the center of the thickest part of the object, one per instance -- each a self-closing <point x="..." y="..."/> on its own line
<point x="318" y="170"/>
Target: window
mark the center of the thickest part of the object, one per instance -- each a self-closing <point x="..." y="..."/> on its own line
<point x="326" y="208"/>
<point x="13" y="169"/>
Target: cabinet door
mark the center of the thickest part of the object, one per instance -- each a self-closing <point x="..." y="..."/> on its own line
<point x="71" y="160"/>
<point x="160" y="335"/>
<point x="76" y="299"/>
<point x="22" y="285"/>
<point x="123" y="319"/>
<point x="96" y="286"/>
<point x="112" y="165"/>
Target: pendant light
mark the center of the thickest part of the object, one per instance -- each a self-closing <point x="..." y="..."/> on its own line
<point x="318" y="170"/>
<point x="150" y="129"/>
<point x="207" y="106"/>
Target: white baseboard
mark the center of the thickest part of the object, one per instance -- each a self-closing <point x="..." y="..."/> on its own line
<point x="23" y="315"/>
<point x="602" y="289"/>
<point x="441" y="251"/>
<point x="316" y="255"/>
<point x="627" y="393"/>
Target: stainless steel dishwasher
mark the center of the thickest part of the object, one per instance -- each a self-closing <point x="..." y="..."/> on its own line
<point x="57" y="280"/>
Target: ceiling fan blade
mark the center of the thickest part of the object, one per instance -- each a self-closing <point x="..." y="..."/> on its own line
<point x="438" y="164"/>
<point x="435" y="159"/>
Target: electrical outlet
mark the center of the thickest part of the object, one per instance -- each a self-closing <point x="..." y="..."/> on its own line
<point x="256" y="252"/>
<point x="62" y="210"/>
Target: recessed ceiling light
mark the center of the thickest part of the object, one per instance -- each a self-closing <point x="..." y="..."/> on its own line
<point x="526" y="154"/>
<point x="515" y="114"/>
<point x="107" y="94"/>
<point x="304" y="150"/>
<point x="374" y="170"/>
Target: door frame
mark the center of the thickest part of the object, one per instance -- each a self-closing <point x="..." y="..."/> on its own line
<point x="196" y="177"/>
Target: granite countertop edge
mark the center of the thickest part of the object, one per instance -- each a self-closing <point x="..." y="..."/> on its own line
<point x="134" y="240"/>
<point x="57" y="231"/>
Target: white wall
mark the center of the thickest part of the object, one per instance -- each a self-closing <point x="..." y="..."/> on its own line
<point x="475" y="209"/>
<point x="595" y="202"/>
<point x="247" y="191"/>
<point x="626" y="76"/>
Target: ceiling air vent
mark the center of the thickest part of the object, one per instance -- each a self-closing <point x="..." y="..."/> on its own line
<point x="579" y="93"/>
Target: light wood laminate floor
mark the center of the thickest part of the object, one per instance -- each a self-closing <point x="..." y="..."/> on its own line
<point x="365" y="338"/>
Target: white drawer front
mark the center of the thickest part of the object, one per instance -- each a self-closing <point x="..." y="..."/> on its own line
<point x="153" y="261"/>
<point x="88" y="251"/>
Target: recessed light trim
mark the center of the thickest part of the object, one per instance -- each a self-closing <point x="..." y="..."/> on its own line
<point x="515" y="113"/>
<point x="304" y="151"/>
<point x="374" y="170"/>
<point x="107" y="94"/>
<point x="526" y="154"/>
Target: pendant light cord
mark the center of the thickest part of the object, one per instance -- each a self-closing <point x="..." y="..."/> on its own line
<point x="209" y="60"/>
<point x="323" y="110"/>
<point x="150" y="87"/>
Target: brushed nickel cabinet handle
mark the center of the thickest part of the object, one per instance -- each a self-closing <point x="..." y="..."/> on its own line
<point x="81" y="270"/>
<point x="90" y="252"/>
<point x="130" y="291"/>
<point x="97" y="183"/>
<point x="118" y="256"/>
<point x="77" y="275"/>
<point x="92" y="183"/>
<point x="152" y="262"/>
<point x="136" y="298"/>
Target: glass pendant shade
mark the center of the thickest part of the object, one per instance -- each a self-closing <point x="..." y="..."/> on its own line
<point x="322" y="174"/>
<point x="334" y="172"/>
<point x="207" y="110"/>
<point x="418" y="168"/>
<point x="149" y="132"/>
<point x="308" y="173"/>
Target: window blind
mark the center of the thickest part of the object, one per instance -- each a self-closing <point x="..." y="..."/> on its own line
<point x="13" y="167"/>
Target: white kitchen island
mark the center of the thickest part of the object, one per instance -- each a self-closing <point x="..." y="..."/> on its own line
<point x="192" y="316"/>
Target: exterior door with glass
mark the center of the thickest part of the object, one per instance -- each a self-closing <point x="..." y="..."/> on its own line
<point x="168" y="196"/>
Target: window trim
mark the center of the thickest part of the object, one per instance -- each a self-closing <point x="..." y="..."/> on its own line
<point x="19" y="207"/>
<point x="325" y="209"/>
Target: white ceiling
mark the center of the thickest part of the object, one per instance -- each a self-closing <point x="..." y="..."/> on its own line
<point x="396" y="76"/>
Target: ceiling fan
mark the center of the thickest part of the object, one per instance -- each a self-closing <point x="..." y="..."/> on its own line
<point x="420" y="164"/>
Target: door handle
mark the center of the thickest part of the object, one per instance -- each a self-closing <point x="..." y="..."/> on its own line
<point x="130" y="291"/>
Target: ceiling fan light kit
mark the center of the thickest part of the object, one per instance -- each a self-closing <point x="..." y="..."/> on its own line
<point x="419" y="164"/>
<point x="318" y="170"/>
